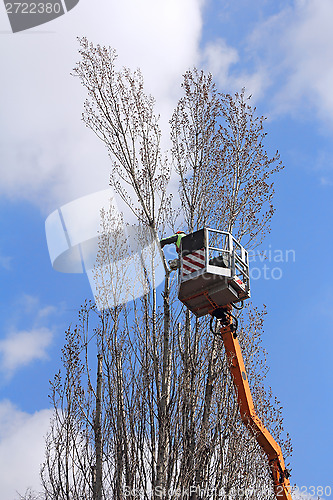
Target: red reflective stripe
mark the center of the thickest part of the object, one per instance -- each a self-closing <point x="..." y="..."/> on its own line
<point x="194" y="255"/>
<point x="192" y="268"/>
<point x="195" y="262"/>
<point x="198" y="254"/>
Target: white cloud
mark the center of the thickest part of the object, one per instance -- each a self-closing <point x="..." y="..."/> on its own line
<point x="27" y="336"/>
<point x="219" y="58"/>
<point x="44" y="312"/>
<point x="294" y="48"/>
<point x="48" y="156"/>
<point x="325" y="181"/>
<point x="22" y="437"/>
<point x="30" y="304"/>
<point x="303" y="496"/>
<point x="20" y="348"/>
<point x="5" y="262"/>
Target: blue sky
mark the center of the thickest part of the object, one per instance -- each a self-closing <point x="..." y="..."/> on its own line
<point x="281" y="52"/>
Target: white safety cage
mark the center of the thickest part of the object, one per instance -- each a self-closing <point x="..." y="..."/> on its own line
<point x="214" y="271"/>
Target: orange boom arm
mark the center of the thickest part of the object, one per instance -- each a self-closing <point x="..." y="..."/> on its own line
<point x="273" y="451"/>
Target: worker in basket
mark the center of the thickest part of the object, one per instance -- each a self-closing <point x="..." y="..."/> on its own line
<point x="176" y="239"/>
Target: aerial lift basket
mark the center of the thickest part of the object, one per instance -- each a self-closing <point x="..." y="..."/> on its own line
<point x="214" y="271"/>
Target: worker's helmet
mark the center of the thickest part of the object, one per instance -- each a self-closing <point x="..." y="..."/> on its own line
<point x="180" y="232"/>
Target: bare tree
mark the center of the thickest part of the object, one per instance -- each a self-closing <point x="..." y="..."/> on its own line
<point x="30" y="495"/>
<point x="159" y="418"/>
<point x="218" y="152"/>
<point x="223" y="456"/>
<point x="122" y="116"/>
